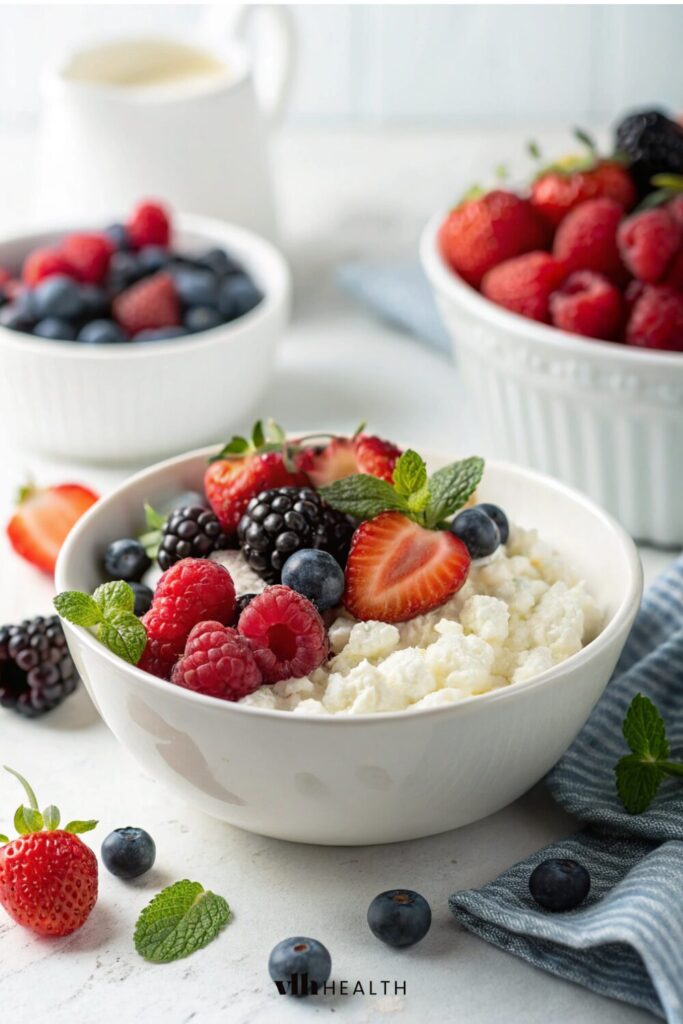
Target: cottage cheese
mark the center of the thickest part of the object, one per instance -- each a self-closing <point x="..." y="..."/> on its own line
<point x="519" y="613"/>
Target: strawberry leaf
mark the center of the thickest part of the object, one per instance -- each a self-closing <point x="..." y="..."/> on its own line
<point x="27" y="819"/>
<point x="51" y="817"/>
<point x="77" y="828"/>
<point x="3" y="838"/>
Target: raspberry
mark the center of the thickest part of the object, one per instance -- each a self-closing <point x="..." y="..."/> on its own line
<point x="89" y="255"/>
<point x="674" y="275"/>
<point x="480" y="233"/>
<point x="587" y="238"/>
<point x="588" y="304"/>
<point x="151" y="303"/>
<point x="286" y="633"/>
<point x="191" y="591"/>
<point x="656" y="319"/>
<point x="524" y="283"/>
<point x="675" y="208"/>
<point x="648" y="242"/>
<point x="217" y="662"/>
<point x="42" y="263"/>
<point x="149" y="224"/>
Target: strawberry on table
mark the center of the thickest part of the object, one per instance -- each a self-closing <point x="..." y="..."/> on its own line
<point x="482" y="232"/>
<point x="48" y="876"/>
<point x="43" y="518"/>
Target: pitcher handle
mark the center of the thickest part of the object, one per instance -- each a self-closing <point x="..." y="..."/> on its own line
<point x="268" y="33"/>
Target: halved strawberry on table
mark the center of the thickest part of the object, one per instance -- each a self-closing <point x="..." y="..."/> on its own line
<point x="43" y="518"/>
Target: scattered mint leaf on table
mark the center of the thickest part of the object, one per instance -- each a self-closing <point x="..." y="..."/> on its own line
<point x="180" y="919"/>
<point x="427" y="501"/>
<point x="640" y="773"/>
<point x="109" y="612"/>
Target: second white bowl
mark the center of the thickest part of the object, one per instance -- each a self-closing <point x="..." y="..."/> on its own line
<point x="359" y="779"/>
<point x="129" y="402"/>
<point x="606" y="418"/>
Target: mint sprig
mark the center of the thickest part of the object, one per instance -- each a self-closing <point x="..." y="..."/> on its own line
<point x="426" y="500"/>
<point x="180" y="919"/>
<point x="151" y="538"/>
<point x="640" y="773"/>
<point x="109" y="613"/>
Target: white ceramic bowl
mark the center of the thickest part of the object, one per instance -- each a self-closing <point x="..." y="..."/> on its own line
<point x="124" y="403"/>
<point x="604" y="417"/>
<point x="366" y="779"/>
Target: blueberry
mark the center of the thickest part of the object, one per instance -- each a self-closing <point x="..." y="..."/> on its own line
<point x="4" y="298"/>
<point x="499" y="518"/>
<point x="124" y="270"/>
<point x="143" y="597"/>
<point x="118" y="236"/>
<point x="95" y="301"/>
<point x="399" y="917"/>
<point x="126" y="559"/>
<point x="55" y="329"/>
<point x="58" y="296"/>
<point x="477" y="531"/>
<point x="101" y="332"/>
<point x="128" y="852"/>
<point x="160" y="333"/>
<point x="316" y="575"/>
<point x="238" y="295"/>
<point x="202" y="318"/>
<point x="218" y="261"/>
<point x="152" y="258"/>
<point x="300" y="965"/>
<point x="559" y="884"/>
<point x="196" y="286"/>
<point x="15" y="316"/>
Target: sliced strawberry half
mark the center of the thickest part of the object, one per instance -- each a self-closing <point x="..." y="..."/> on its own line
<point x="43" y="519"/>
<point x="397" y="569"/>
<point x="230" y="483"/>
<point x="344" y="456"/>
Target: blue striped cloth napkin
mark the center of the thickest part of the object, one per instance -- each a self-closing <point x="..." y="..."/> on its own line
<point x="626" y="941"/>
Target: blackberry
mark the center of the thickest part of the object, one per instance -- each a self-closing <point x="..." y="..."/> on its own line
<point x="278" y="522"/>
<point x="190" y="532"/>
<point x="36" y="670"/>
<point x="654" y="144"/>
<point x="240" y="604"/>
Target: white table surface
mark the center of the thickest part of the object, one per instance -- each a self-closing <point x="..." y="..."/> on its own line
<point x="343" y="196"/>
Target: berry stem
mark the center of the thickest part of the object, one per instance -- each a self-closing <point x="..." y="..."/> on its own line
<point x="33" y="802"/>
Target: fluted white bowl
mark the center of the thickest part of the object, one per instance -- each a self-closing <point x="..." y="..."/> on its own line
<point x="359" y="779"/>
<point x="604" y="417"/>
<point x="134" y="401"/>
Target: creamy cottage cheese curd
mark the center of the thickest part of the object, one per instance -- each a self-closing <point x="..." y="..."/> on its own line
<point x="519" y="613"/>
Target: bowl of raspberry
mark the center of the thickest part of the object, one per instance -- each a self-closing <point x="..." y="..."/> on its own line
<point x="125" y="342"/>
<point x="564" y="302"/>
<point x="333" y="640"/>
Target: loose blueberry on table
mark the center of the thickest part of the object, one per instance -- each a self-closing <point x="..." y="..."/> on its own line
<point x="128" y="852"/>
<point x="593" y="245"/>
<point x="125" y="283"/>
<point x="399" y="917"/>
<point x="559" y="884"/>
<point x="300" y="966"/>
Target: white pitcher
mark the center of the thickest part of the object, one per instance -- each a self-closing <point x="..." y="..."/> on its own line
<point x="161" y="117"/>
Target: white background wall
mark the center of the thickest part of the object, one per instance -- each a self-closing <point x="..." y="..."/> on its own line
<point x="427" y="64"/>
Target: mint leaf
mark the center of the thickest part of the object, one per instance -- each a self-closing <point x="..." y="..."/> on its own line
<point x="450" y="488"/>
<point x="125" y="635"/>
<point x="154" y="520"/>
<point x="114" y="597"/>
<point x="81" y="609"/>
<point x="79" y="827"/>
<point x="27" y="819"/>
<point x="410" y="473"/>
<point x="180" y="919"/>
<point x="644" y="730"/>
<point x="638" y="782"/>
<point x="51" y="817"/>
<point x="363" y="496"/>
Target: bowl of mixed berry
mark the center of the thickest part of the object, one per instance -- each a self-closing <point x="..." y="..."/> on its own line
<point x="564" y="301"/>
<point x="158" y="312"/>
<point x="334" y="639"/>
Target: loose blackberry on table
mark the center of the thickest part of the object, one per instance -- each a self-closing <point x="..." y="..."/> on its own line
<point x="278" y="522"/>
<point x="190" y="532"/>
<point x="36" y="669"/>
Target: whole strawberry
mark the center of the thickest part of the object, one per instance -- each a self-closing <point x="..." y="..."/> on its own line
<point x="245" y="467"/>
<point x="48" y="876"/>
<point x="480" y="233"/>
